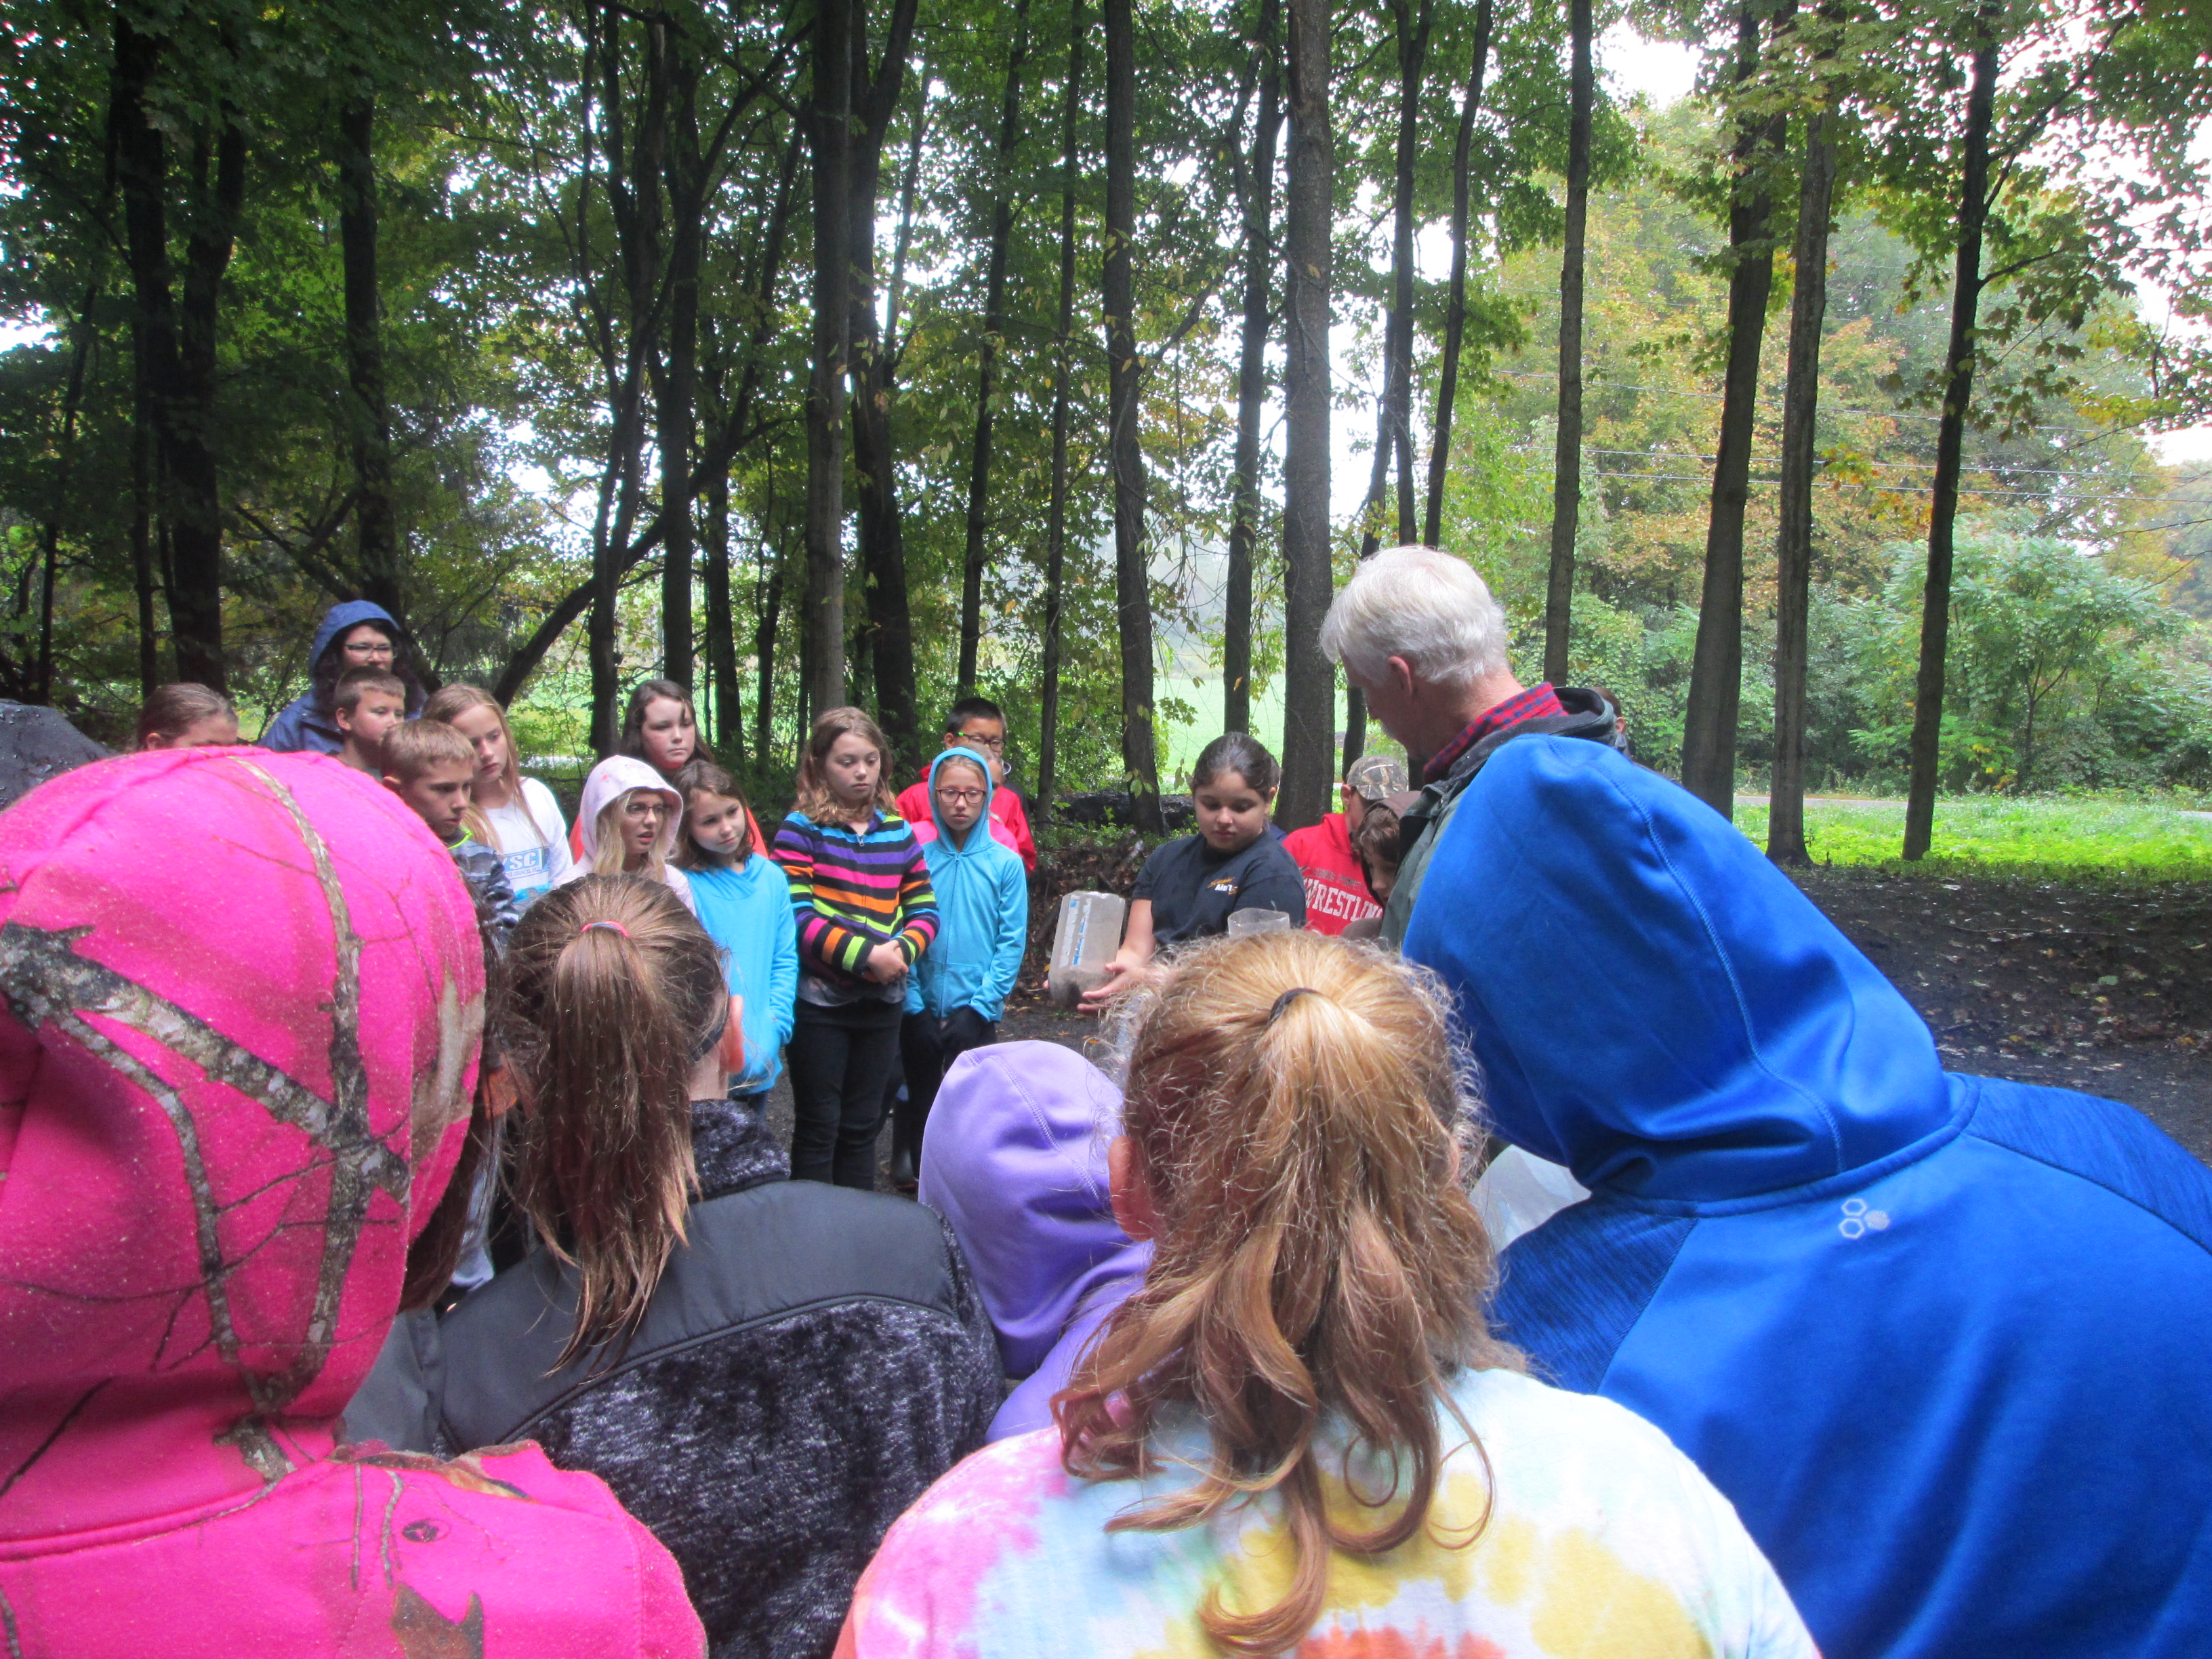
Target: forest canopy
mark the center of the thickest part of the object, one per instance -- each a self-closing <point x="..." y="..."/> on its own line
<point x="884" y="350"/>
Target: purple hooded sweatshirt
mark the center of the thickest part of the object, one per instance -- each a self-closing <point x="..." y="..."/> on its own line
<point x="1015" y="1160"/>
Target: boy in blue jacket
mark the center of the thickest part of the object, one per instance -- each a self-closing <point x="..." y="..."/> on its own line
<point x="959" y="987"/>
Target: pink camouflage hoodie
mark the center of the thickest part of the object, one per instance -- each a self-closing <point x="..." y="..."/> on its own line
<point x="240" y="1000"/>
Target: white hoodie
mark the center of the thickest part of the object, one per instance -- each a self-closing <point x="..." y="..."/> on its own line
<point x="611" y="779"/>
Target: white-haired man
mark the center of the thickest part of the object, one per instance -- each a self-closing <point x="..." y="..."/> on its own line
<point x="1418" y="633"/>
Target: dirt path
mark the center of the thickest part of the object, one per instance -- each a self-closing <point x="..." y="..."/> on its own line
<point x="2105" y="989"/>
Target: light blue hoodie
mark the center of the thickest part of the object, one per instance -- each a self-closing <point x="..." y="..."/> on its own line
<point x="982" y="912"/>
<point x="746" y="909"/>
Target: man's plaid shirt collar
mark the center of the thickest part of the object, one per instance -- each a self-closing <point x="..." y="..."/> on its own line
<point x="1533" y="703"/>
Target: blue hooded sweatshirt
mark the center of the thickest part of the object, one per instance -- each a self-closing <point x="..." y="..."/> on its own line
<point x="982" y="912"/>
<point x="302" y="724"/>
<point x="746" y="909"/>
<point x="1944" y="1341"/>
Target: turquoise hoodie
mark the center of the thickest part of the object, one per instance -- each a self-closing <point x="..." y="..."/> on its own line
<point x="746" y="909"/>
<point x="982" y="913"/>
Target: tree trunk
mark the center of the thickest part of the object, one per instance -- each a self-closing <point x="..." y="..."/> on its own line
<point x="1456" y="307"/>
<point x="987" y="368"/>
<point x="882" y="537"/>
<point x="1309" y="684"/>
<point x="1716" y="671"/>
<point x="829" y="117"/>
<point x="1567" y="442"/>
<point x="370" y="417"/>
<point x="678" y="387"/>
<point x="1132" y="577"/>
<point x="1793" y="545"/>
<point x="1394" y="411"/>
<point x="1950" y="438"/>
<point x="1252" y="377"/>
<point x="142" y="534"/>
<point x="722" y="642"/>
<point x="1055" y="533"/>
<point x="767" y="603"/>
<point x="179" y="337"/>
<point x="51" y="535"/>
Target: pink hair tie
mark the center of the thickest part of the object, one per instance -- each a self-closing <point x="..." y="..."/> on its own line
<point x="612" y="926"/>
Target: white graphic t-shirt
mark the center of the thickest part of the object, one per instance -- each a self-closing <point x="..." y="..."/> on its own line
<point x="532" y="839"/>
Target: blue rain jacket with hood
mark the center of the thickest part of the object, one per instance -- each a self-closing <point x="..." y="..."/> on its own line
<point x="1944" y="1341"/>
<point x="303" y="724"/>
<point x="983" y="911"/>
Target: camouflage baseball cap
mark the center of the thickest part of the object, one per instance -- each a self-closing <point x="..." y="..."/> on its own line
<point x="1378" y="777"/>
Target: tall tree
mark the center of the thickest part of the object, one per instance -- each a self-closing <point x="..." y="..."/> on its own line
<point x="1133" y="597"/>
<point x="176" y="333"/>
<point x="1567" y="441"/>
<point x="1393" y="409"/>
<point x="1793" y="544"/>
<point x="678" y="382"/>
<point x="1951" y="432"/>
<point x="876" y="94"/>
<point x="829" y="114"/>
<point x="1055" y="532"/>
<point x="1456" y="302"/>
<point x="1717" y="671"/>
<point x="1256" y="191"/>
<point x="986" y="352"/>
<point x="375" y="527"/>
<point x="1309" y="686"/>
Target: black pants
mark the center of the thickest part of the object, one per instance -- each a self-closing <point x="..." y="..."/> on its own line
<point x="840" y="1059"/>
<point x="928" y="1046"/>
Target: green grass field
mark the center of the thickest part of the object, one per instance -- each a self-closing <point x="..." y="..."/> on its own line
<point x="2000" y="835"/>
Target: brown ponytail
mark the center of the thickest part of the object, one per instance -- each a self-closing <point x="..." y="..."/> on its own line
<point x="612" y="985"/>
<point x="1295" y="1103"/>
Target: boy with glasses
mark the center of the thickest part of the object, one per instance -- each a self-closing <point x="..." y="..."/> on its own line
<point x="979" y="724"/>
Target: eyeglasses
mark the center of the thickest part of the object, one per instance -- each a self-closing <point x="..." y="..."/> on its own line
<point x="959" y="797"/>
<point x="999" y="742"/>
<point x="368" y="647"/>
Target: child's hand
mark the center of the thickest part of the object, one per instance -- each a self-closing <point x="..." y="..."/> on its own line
<point x="884" y="963"/>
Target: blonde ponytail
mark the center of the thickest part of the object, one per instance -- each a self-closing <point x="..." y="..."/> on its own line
<point x="1294" y="1102"/>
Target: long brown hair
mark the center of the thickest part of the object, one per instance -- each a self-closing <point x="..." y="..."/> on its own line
<point x="642" y="696"/>
<point x="1295" y="1104"/>
<point x="816" y="798"/>
<point x="704" y="777"/>
<point x="612" y="985"/>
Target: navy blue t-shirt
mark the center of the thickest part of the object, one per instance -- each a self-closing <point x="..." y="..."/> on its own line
<point x="1195" y="889"/>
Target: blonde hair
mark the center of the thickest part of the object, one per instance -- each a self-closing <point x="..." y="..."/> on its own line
<point x="1295" y="1104"/>
<point x="607" y="852"/>
<point x="612" y="985"/>
<point x="413" y="747"/>
<point x="445" y="703"/>
<point x="816" y="798"/>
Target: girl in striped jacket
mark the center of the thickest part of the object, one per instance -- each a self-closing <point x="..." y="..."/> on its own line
<point x="865" y="910"/>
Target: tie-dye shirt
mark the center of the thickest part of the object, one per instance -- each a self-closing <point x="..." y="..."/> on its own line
<point x="1604" y="1540"/>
